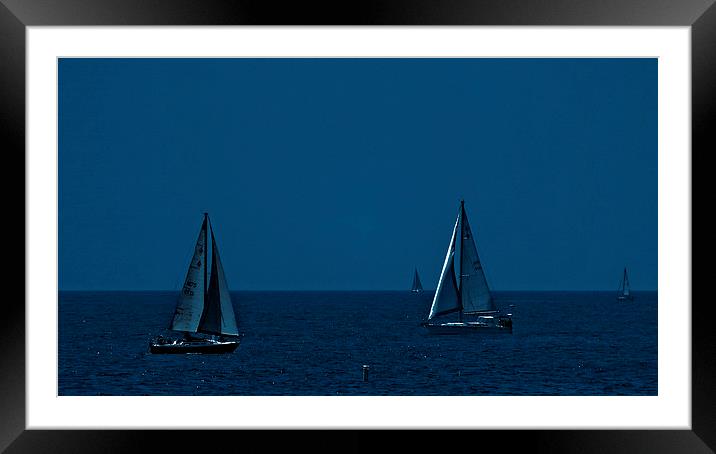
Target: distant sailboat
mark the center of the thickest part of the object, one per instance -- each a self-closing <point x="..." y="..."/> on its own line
<point x="467" y="296"/>
<point x="417" y="286"/>
<point x="624" y="293"/>
<point x="204" y="305"/>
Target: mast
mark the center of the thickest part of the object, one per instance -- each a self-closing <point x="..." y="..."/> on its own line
<point x="462" y="237"/>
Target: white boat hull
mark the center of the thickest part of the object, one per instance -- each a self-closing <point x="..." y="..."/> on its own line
<point x="195" y="346"/>
<point x="467" y="328"/>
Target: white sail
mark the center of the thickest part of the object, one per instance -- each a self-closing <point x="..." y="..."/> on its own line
<point x="474" y="292"/>
<point x="625" y="284"/>
<point x="228" y="319"/>
<point x="446" y="297"/>
<point x="417" y="286"/>
<point x="191" y="299"/>
<point x="218" y="316"/>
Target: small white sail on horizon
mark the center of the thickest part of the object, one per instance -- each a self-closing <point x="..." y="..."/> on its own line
<point x="417" y="285"/>
<point x="624" y="292"/>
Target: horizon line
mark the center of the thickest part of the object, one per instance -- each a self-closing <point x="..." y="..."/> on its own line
<point x="349" y="290"/>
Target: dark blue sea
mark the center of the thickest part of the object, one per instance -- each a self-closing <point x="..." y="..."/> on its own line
<point x="315" y="343"/>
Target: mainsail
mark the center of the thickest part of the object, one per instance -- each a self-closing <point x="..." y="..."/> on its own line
<point x="218" y="315"/>
<point x="191" y="300"/>
<point x="201" y="309"/>
<point x="474" y="293"/>
<point x="446" y="299"/>
<point x="417" y="286"/>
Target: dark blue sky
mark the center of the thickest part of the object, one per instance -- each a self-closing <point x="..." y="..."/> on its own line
<point x="347" y="173"/>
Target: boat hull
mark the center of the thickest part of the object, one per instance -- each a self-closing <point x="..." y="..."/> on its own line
<point x="625" y="298"/>
<point x="466" y="328"/>
<point x="193" y="347"/>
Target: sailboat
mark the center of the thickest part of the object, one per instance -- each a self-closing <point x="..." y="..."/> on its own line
<point x="624" y="294"/>
<point x="417" y="286"/>
<point x="469" y="295"/>
<point x="203" y="313"/>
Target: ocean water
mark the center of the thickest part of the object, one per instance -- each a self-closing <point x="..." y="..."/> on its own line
<point x="315" y="343"/>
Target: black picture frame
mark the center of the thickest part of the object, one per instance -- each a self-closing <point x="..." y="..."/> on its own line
<point x="16" y="15"/>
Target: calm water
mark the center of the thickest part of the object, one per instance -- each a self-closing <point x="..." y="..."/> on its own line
<point x="315" y="343"/>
